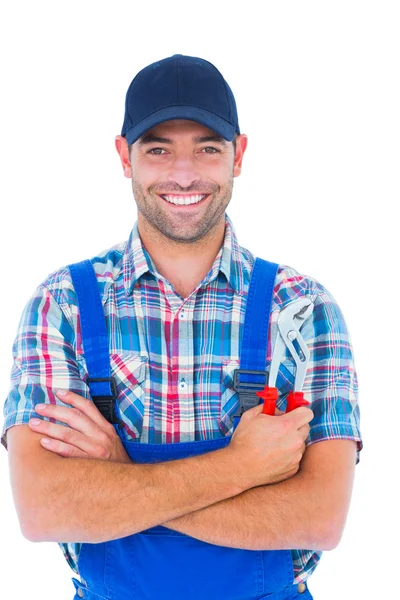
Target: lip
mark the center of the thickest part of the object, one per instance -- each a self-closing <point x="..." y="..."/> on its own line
<point x="185" y="206"/>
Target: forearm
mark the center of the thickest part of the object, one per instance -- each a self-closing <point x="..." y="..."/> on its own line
<point x="271" y="517"/>
<point x="90" y="500"/>
<point x="308" y="510"/>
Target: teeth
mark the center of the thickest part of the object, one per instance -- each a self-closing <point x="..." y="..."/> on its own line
<point x="184" y="199"/>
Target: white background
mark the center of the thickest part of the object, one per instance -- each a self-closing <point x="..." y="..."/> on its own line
<point x="317" y="90"/>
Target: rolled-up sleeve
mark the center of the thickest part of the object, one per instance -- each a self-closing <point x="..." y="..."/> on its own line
<point x="331" y="380"/>
<point x="44" y="360"/>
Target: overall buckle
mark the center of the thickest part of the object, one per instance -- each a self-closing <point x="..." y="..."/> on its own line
<point x="106" y="404"/>
<point x="247" y="396"/>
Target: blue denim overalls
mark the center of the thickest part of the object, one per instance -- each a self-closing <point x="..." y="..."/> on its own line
<point x="159" y="563"/>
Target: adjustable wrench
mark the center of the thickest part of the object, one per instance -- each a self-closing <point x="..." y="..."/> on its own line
<point x="290" y="320"/>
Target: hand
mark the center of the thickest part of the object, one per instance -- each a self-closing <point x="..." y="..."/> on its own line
<point x="269" y="449"/>
<point x="89" y="434"/>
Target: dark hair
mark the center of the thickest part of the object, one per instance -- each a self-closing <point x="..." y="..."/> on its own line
<point x="233" y="142"/>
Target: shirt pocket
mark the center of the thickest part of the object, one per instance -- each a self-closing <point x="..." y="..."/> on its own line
<point x="131" y="374"/>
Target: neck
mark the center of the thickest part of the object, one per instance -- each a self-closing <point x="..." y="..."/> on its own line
<point x="183" y="264"/>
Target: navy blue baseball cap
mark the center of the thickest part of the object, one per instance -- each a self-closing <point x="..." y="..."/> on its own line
<point x="179" y="87"/>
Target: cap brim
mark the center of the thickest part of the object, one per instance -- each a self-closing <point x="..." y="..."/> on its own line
<point x="204" y="117"/>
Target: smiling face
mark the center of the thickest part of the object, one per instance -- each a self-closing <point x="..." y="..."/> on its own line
<point x="182" y="178"/>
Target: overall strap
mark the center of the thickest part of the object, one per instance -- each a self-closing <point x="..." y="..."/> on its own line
<point x="102" y="386"/>
<point x="252" y="375"/>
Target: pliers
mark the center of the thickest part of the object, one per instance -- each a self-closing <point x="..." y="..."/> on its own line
<point x="290" y="319"/>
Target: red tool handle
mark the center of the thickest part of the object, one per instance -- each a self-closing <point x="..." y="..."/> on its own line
<point x="270" y="396"/>
<point x="294" y="400"/>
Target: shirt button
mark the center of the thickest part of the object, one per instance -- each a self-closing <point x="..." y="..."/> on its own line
<point x="182" y="385"/>
<point x="182" y="314"/>
<point x="301" y="588"/>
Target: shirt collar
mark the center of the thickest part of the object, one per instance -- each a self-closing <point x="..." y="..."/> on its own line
<point x="232" y="262"/>
<point x="229" y="261"/>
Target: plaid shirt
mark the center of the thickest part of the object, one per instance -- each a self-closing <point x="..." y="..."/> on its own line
<point x="173" y="359"/>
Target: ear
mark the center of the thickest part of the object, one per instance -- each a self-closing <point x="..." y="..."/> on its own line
<point x="241" y="145"/>
<point x="123" y="150"/>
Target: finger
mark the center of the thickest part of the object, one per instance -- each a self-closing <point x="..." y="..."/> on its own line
<point x="62" y="449"/>
<point x="86" y="406"/>
<point x="85" y="417"/>
<point x="254" y="410"/>
<point x="304" y="430"/>
<point x="260" y="408"/>
<point x="96" y="447"/>
<point x="75" y="418"/>
<point x="93" y="446"/>
<point x="301" y="415"/>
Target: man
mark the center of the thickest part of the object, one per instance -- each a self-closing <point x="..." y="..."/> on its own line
<point x="165" y="494"/>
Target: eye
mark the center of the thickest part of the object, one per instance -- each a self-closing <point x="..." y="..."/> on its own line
<point x="211" y="148"/>
<point x="156" y="153"/>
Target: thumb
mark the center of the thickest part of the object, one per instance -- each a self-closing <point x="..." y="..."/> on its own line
<point x="255" y="410"/>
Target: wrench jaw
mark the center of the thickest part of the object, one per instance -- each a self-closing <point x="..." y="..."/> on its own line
<point x="290" y="320"/>
<point x="301" y="367"/>
<point x="299" y="309"/>
<point x="301" y="358"/>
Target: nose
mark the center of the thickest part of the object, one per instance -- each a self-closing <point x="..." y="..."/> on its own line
<point x="184" y="171"/>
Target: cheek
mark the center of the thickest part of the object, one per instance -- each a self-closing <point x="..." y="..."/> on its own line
<point x="219" y="171"/>
<point x="146" y="175"/>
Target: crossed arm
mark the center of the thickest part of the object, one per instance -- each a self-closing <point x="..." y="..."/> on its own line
<point x="308" y="510"/>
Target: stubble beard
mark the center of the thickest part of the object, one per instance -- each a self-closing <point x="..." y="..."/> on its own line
<point x="181" y="229"/>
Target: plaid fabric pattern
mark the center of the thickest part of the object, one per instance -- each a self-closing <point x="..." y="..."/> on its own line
<point x="173" y="359"/>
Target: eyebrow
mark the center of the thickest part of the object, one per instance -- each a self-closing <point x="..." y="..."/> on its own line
<point x="150" y="138"/>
